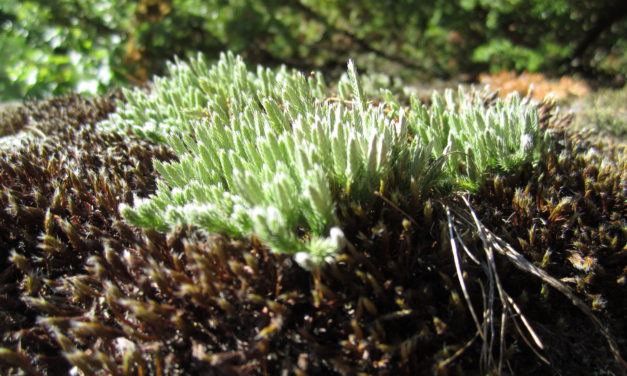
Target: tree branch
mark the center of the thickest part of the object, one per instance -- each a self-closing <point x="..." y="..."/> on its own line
<point x="361" y="43"/>
<point x="604" y="22"/>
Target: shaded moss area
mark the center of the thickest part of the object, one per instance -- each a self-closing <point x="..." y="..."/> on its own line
<point x="79" y="288"/>
<point x="60" y="193"/>
<point x="11" y="119"/>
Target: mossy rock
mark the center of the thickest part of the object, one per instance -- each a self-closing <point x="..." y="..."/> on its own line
<point x="81" y="291"/>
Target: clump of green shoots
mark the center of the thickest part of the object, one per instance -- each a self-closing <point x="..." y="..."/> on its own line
<point x="271" y="153"/>
<point x="476" y="137"/>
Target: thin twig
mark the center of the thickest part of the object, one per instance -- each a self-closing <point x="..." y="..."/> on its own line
<point x="362" y="43"/>
<point x="396" y="207"/>
<point x="466" y="249"/>
<point x="443" y="364"/>
<point x="535" y="336"/>
<point x="460" y="275"/>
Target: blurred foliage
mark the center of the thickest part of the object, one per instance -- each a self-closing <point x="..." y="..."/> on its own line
<point x="56" y="47"/>
<point x="605" y="113"/>
<point x="89" y="45"/>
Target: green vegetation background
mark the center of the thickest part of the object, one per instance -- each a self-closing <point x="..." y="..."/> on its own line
<point x="52" y="47"/>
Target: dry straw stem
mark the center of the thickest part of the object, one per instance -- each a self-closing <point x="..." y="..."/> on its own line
<point x="486" y="329"/>
<point x="491" y="242"/>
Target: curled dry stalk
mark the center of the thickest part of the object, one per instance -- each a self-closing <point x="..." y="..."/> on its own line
<point x="510" y="310"/>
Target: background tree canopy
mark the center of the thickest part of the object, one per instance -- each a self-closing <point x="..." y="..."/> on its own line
<point x="53" y="47"/>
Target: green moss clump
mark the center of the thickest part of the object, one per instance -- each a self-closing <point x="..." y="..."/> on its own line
<point x="273" y="154"/>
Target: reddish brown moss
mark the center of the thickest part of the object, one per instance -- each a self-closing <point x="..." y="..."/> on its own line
<point x="59" y="190"/>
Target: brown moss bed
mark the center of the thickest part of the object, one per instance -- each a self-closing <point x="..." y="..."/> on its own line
<point x="81" y="291"/>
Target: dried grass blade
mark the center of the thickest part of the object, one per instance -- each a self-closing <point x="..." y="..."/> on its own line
<point x="520" y="262"/>
<point x="460" y="275"/>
